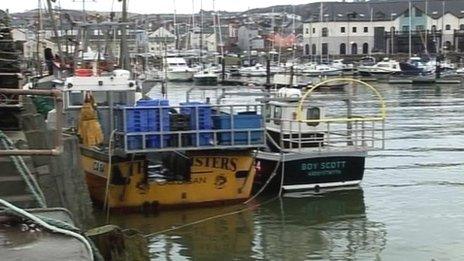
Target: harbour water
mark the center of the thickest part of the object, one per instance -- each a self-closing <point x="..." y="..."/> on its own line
<point x="410" y="205"/>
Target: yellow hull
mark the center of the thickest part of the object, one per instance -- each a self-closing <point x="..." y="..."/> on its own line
<point x="214" y="177"/>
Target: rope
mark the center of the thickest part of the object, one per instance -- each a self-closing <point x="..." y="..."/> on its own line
<point x="211" y="218"/>
<point x="27" y="176"/>
<point x="106" y="206"/>
<point x="55" y="229"/>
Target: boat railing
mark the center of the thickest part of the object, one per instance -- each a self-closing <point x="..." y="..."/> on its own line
<point x="364" y="133"/>
<point x="191" y="126"/>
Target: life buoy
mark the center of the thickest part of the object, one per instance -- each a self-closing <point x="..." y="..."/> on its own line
<point x="83" y="72"/>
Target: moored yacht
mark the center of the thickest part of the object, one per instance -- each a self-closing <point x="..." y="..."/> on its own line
<point x="178" y="70"/>
<point x="205" y="77"/>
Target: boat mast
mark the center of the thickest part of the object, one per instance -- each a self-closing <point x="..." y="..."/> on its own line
<point x="55" y="31"/>
<point x="321" y="18"/>
<point x="426" y="31"/>
<point x="294" y="36"/>
<point x="410" y="28"/>
<point x="123" y="56"/>
<point x="221" y="44"/>
<point x="39" y="31"/>
<point x="175" y="25"/>
<point x="201" y="33"/>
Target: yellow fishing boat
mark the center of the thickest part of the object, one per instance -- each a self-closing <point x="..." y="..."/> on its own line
<point x="147" y="154"/>
<point x="213" y="178"/>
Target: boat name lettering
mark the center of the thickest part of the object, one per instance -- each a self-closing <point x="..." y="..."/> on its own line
<point x="226" y="163"/>
<point x="328" y="165"/>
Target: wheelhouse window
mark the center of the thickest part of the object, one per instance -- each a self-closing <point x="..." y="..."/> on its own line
<point x="313" y="113"/>
<point x="267" y="112"/>
<point x="277" y="115"/>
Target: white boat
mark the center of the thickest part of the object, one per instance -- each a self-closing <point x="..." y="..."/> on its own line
<point x="323" y="70"/>
<point x="205" y="77"/>
<point x="381" y="68"/>
<point x="342" y="64"/>
<point x="177" y="70"/>
<point x="253" y="71"/>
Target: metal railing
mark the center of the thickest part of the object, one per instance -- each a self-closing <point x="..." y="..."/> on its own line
<point x="197" y="137"/>
<point x="332" y="134"/>
<point x="57" y="150"/>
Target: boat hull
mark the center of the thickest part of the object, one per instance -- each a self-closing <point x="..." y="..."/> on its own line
<point x="206" y="80"/>
<point x="214" y="178"/>
<point x="307" y="171"/>
<point x="180" y="76"/>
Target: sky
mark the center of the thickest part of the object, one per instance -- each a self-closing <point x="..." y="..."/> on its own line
<point x="150" y="6"/>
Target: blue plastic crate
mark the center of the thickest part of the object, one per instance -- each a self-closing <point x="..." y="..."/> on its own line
<point x="240" y="138"/>
<point x="205" y="139"/>
<point x="241" y="121"/>
<point x="135" y="142"/>
<point x="154" y="141"/>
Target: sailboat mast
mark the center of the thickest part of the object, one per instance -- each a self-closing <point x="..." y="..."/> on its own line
<point x="293" y="35"/>
<point x="124" y="58"/>
<point x="55" y="31"/>
<point x="410" y="29"/>
<point x="175" y="25"/>
<point x="321" y="18"/>
<point x="39" y="31"/>
<point x="426" y="31"/>
<point x="221" y="44"/>
<point x="201" y="32"/>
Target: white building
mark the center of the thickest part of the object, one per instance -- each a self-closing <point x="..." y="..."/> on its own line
<point x="351" y="28"/>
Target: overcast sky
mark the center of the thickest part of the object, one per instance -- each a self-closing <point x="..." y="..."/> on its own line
<point x="150" y="6"/>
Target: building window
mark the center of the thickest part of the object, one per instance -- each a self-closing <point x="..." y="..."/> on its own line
<point x="314" y="30"/>
<point x="342" y="49"/>
<point x="354" y="29"/>
<point x="419" y="28"/>
<point x="342" y="29"/>
<point x="448" y="27"/>
<point x="325" y="48"/>
<point x="313" y="49"/>
<point x="354" y="48"/>
<point x="461" y="27"/>
<point x="307" y="30"/>
<point x="313" y="113"/>
<point x="307" y="49"/>
<point x="405" y="28"/>
<point x="366" y="29"/>
<point x="325" y="32"/>
<point x="418" y="13"/>
<point x="365" y="48"/>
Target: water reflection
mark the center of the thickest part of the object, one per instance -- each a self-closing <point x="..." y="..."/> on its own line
<point x="328" y="226"/>
<point x="331" y="225"/>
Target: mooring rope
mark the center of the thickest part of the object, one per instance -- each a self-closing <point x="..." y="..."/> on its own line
<point x="29" y="179"/>
<point x="22" y="213"/>
<point x="212" y="217"/>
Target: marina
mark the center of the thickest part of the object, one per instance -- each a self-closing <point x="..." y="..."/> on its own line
<point x="287" y="132"/>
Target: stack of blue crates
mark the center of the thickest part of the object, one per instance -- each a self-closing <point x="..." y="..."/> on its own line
<point x="147" y="116"/>
<point x="200" y="113"/>
<point x="240" y="121"/>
